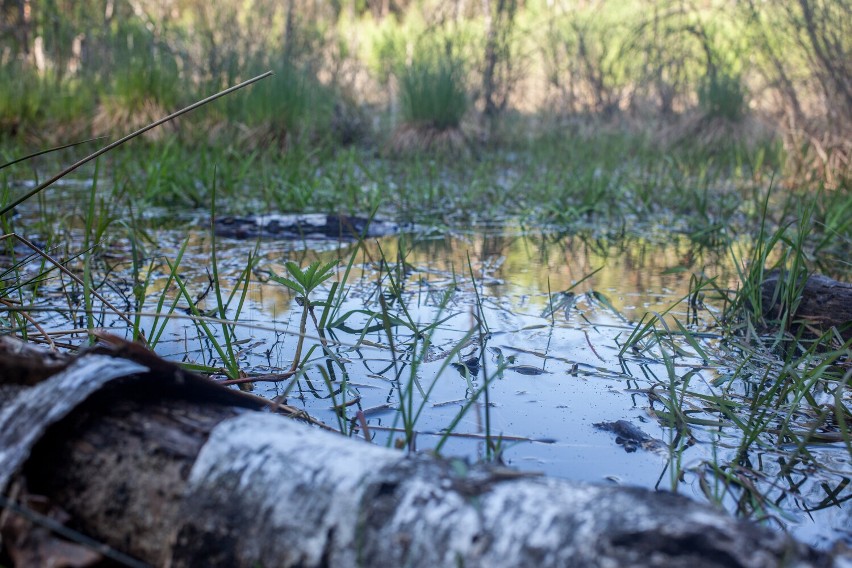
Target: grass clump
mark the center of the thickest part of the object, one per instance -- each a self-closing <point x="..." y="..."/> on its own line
<point x="722" y="96"/>
<point x="40" y="105"/>
<point x="291" y="105"/>
<point x="20" y="98"/>
<point x="145" y="84"/>
<point x="432" y="92"/>
<point x="433" y="100"/>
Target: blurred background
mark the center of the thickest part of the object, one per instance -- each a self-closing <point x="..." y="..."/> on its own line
<point x="401" y="74"/>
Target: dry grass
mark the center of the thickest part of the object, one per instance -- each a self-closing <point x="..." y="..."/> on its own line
<point x="823" y="158"/>
<point x="697" y="129"/>
<point x="115" y="117"/>
<point x="413" y="139"/>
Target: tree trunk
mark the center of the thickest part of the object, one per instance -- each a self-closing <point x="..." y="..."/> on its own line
<point x="499" y="20"/>
<point x="175" y="470"/>
<point x="24" y="25"/>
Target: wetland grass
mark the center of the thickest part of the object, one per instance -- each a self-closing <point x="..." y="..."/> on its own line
<point x="786" y="394"/>
<point x="433" y="100"/>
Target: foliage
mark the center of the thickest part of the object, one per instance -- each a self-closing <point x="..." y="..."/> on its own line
<point x="304" y="282"/>
<point x="652" y="59"/>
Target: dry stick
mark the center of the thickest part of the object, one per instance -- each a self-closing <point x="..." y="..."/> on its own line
<point x="362" y="419"/>
<point x="267" y="378"/>
<point x="117" y="143"/>
<point x="30" y="319"/>
<point x="589" y="342"/>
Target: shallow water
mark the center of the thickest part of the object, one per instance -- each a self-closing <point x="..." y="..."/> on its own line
<point x="552" y="373"/>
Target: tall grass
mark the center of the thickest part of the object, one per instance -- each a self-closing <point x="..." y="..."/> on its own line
<point x="722" y="95"/>
<point x="432" y="92"/>
<point x="292" y="104"/>
<point x="21" y="98"/>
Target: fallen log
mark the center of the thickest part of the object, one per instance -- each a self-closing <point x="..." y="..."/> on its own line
<point x="173" y="470"/>
<point x="278" y="226"/>
<point x="824" y="303"/>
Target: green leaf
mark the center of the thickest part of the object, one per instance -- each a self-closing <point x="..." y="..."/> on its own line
<point x="687" y="335"/>
<point x="296" y="272"/>
<point x="298" y="288"/>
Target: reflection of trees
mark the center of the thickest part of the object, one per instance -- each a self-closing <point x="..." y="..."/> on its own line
<point x="536" y="262"/>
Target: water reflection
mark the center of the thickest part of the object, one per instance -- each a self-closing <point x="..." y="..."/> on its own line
<point x="541" y="317"/>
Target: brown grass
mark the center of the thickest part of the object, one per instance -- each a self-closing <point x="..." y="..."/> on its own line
<point x="114" y="117"/>
<point x="412" y="139"/>
<point x="697" y="129"/>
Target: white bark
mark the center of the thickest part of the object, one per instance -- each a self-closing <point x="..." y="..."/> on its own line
<point x="272" y="492"/>
<point x="24" y="419"/>
<point x="265" y="490"/>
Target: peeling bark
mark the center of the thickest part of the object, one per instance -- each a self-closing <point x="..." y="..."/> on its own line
<point x="159" y="465"/>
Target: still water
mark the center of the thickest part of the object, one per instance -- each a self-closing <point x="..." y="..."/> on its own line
<point x="497" y="343"/>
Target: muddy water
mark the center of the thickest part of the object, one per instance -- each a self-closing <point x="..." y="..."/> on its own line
<point x="511" y="314"/>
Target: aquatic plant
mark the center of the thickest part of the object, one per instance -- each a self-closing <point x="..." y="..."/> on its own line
<point x="303" y="282"/>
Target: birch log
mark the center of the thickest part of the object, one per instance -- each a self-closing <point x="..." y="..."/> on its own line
<point x="154" y="464"/>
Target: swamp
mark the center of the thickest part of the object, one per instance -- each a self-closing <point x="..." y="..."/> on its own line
<point x="573" y="238"/>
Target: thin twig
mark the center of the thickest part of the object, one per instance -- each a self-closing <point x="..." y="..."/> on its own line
<point x="589" y="343"/>
<point x="70" y="274"/>
<point x="29" y="318"/>
<point x="48" y="151"/>
<point x="267" y="378"/>
<point x="362" y="419"/>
